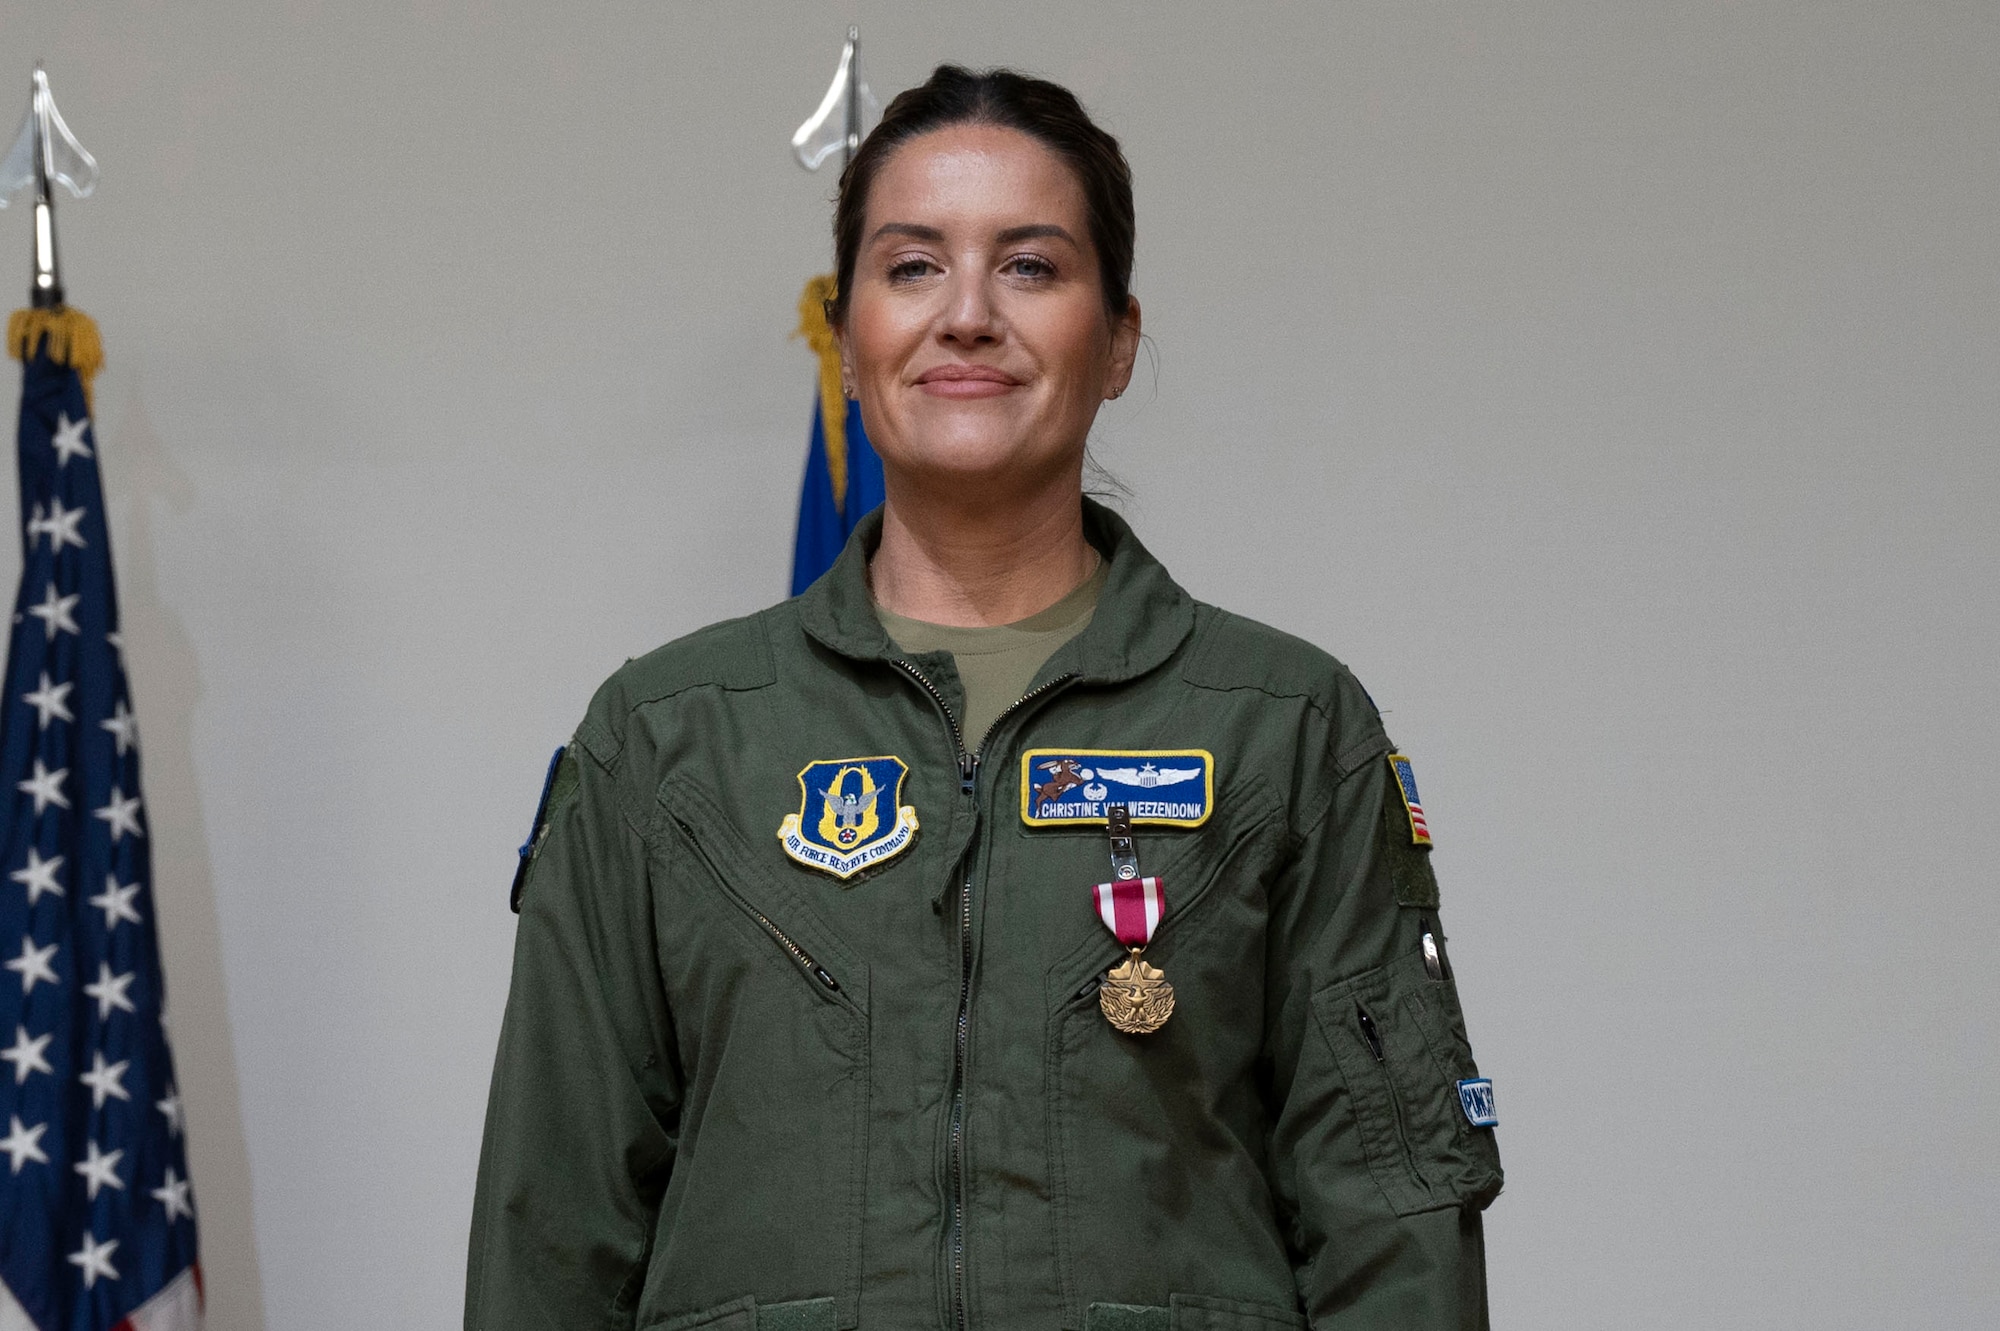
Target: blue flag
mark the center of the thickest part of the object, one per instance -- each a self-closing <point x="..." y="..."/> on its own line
<point x="97" y="1227"/>
<point x="826" y="520"/>
<point x="843" y="476"/>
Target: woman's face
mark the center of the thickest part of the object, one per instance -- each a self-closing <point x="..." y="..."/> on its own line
<point x="976" y="334"/>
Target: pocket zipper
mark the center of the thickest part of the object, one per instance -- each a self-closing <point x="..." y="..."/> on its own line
<point x="1180" y="907"/>
<point x="1369" y="1033"/>
<point x="798" y="954"/>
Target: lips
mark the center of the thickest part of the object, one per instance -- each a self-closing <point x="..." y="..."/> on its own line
<point x="959" y="380"/>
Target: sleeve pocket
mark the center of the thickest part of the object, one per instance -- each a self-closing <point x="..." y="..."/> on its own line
<point x="1398" y="1039"/>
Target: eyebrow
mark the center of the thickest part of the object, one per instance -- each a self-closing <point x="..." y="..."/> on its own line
<point x="1012" y="234"/>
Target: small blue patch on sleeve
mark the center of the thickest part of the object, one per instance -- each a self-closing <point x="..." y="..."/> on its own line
<point x="1475" y="1097"/>
<point x="534" y="832"/>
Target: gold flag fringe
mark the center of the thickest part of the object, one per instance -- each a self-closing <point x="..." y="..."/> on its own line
<point x="818" y="334"/>
<point x="71" y="340"/>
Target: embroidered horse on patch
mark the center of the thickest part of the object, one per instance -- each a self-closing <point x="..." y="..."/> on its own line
<point x="1065" y="774"/>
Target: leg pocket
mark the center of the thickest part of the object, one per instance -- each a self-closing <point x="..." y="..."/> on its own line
<point x="745" y="1315"/>
<point x="735" y="1315"/>
<point x="1193" y="1312"/>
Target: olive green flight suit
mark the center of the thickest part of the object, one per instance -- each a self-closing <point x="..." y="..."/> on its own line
<point x="737" y="1093"/>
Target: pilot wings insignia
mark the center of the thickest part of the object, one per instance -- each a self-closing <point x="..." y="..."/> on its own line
<point x="1146" y="776"/>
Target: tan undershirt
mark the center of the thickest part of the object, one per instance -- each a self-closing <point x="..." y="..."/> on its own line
<point x="998" y="663"/>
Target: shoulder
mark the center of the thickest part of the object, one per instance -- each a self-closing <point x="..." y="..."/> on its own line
<point x="1231" y="653"/>
<point x="734" y="655"/>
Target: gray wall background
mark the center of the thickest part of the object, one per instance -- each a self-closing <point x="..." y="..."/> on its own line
<point x="1612" y="385"/>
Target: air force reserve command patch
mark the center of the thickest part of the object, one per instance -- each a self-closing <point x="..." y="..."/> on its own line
<point x="851" y="815"/>
<point x="1171" y="787"/>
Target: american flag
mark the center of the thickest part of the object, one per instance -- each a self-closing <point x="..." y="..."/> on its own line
<point x="97" y="1226"/>
<point x="1406" y="779"/>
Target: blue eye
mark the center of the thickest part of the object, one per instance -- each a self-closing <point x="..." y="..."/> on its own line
<point x="1030" y="265"/>
<point x="909" y="270"/>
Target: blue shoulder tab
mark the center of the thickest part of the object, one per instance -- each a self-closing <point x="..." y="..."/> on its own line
<point x="535" y="831"/>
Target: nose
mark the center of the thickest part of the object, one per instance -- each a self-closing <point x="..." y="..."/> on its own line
<point x="970" y="318"/>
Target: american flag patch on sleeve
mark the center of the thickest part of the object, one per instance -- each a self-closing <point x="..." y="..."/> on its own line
<point x="1406" y="785"/>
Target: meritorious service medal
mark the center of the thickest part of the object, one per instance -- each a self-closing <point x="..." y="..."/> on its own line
<point x="1135" y="996"/>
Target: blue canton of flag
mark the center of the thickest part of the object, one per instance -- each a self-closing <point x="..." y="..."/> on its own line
<point x="97" y="1228"/>
<point x="825" y="522"/>
<point x="843" y="474"/>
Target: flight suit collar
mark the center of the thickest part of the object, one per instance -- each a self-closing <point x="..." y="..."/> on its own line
<point x="1142" y="616"/>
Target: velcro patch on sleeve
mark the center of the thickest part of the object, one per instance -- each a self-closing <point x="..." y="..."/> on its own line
<point x="1409" y="864"/>
<point x="561" y="779"/>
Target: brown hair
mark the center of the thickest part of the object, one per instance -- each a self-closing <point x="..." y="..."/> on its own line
<point x="1046" y="112"/>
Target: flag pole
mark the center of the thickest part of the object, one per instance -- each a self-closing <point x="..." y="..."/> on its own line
<point x="49" y="325"/>
<point x="853" y="66"/>
<point x="47" y="291"/>
<point x="843" y="476"/>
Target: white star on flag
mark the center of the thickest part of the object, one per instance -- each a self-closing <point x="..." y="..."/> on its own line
<point x="105" y="1082"/>
<point x="49" y="701"/>
<point x="116" y="902"/>
<point x="123" y="725"/>
<point x="170" y="1107"/>
<point x="23" y="1144"/>
<point x="33" y="964"/>
<point x="26" y="1055"/>
<point x="59" y="526"/>
<point x="39" y="875"/>
<point x="95" y="1259"/>
<point x="122" y="812"/>
<point x="46" y="787"/>
<point x="173" y="1195"/>
<point x="54" y="612"/>
<point x="109" y="991"/>
<point x="69" y="439"/>
<point x="100" y="1170"/>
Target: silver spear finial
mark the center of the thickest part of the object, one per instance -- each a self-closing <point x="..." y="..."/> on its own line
<point x="44" y="153"/>
<point x="844" y="115"/>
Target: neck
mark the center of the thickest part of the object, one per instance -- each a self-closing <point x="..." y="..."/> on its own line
<point x="974" y="566"/>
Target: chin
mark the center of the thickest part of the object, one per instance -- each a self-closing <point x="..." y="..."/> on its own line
<point x="970" y="445"/>
<point x="974" y="457"/>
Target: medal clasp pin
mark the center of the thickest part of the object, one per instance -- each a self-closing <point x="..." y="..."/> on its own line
<point x="1124" y="853"/>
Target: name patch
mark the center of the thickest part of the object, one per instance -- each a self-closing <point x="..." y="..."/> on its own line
<point x="1475" y="1097"/>
<point x="851" y="815"/>
<point x="1168" y="787"/>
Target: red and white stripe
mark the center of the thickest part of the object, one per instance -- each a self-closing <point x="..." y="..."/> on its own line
<point x="1417" y="823"/>
<point x="1132" y="909"/>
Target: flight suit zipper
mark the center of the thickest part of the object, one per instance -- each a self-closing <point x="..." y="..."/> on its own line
<point x="968" y="782"/>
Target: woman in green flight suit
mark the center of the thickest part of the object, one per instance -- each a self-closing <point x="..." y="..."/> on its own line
<point x="992" y="936"/>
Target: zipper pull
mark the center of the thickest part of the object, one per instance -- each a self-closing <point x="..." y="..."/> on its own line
<point x="968" y="771"/>
<point x="1369" y="1033"/>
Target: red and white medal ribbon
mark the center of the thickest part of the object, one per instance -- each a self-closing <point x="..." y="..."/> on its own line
<point x="1131" y="908"/>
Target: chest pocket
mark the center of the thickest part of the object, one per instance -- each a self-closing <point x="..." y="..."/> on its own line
<point x="1150" y="1135"/>
<point x="771" y="1015"/>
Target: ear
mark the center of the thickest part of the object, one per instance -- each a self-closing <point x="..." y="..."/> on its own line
<point x="846" y="364"/>
<point x="1124" y="349"/>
